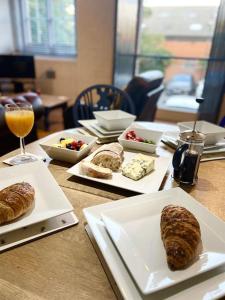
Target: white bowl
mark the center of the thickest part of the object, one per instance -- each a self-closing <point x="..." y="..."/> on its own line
<point x="213" y="133"/>
<point x="63" y="154"/>
<point x="146" y="134"/>
<point x="114" y="119"/>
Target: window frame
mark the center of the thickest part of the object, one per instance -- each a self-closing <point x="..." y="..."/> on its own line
<point x="19" y="17"/>
<point x="126" y="57"/>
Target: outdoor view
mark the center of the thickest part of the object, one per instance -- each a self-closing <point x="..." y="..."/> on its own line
<point x="50" y="22"/>
<point x="175" y="37"/>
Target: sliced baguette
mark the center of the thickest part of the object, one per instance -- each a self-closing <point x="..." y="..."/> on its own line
<point x="90" y="169"/>
<point x="114" y="147"/>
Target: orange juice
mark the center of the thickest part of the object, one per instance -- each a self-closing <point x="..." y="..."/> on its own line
<point x="20" y="122"/>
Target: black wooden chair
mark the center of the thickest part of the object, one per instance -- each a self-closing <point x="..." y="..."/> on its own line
<point x="96" y="98"/>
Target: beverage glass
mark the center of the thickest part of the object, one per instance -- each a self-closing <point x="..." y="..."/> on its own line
<point x="20" y="120"/>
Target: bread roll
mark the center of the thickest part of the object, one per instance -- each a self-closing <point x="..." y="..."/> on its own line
<point x="15" y="200"/>
<point x="109" y="156"/>
<point x="92" y="170"/>
<point x="114" y="147"/>
<point x="181" y="236"/>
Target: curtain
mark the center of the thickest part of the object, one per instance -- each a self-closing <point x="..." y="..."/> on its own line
<point x="215" y="74"/>
<point x="126" y="41"/>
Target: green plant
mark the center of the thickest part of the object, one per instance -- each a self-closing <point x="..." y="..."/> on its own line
<point x="147" y="12"/>
<point x="153" y="45"/>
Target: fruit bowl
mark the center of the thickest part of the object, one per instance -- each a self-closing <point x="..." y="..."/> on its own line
<point x="140" y="139"/>
<point x="67" y="146"/>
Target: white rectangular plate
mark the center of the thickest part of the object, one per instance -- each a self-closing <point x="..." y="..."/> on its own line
<point x="88" y="125"/>
<point x="149" y="183"/>
<point x="103" y="130"/>
<point x="209" y="285"/>
<point x="50" y="200"/>
<point x="35" y="231"/>
<point x="135" y="230"/>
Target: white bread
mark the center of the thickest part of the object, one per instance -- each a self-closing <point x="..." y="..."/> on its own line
<point x="90" y="169"/>
<point x="114" y="147"/>
<point x="109" y="156"/>
<point x="107" y="159"/>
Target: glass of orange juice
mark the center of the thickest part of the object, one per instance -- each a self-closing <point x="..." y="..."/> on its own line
<point x="20" y="120"/>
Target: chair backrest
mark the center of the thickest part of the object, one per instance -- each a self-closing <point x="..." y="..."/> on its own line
<point x="153" y="77"/>
<point x="149" y="104"/>
<point x="98" y="97"/>
<point x="141" y="85"/>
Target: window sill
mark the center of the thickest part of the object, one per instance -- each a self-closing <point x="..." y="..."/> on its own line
<point x="177" y="109"/>
<point x="175" y="114"/>
<point x="56" y="58"/>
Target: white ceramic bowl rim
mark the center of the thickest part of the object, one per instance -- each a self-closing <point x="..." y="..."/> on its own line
<point x="114" y="115"/>
<point x="69" y="135"/>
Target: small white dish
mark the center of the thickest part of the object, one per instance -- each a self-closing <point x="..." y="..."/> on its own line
<point x="149" y="183"/>
<point x="63" y="154"/>
<point x="135" y="230"/>
<point x="50" y="200"/>
<point x="146" y="134"/>
<point x="114" y="119"/>
<point x="209" y="285"/>
<point x="213" y="132"/>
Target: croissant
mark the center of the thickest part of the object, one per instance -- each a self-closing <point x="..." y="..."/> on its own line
<point x="15" y="200"/>
<point x="181" y="236"/>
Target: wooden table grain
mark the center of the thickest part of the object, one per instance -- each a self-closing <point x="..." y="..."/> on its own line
<point x="64" y="265"/>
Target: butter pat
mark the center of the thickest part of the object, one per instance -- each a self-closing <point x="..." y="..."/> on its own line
<point x="139" y="166"/>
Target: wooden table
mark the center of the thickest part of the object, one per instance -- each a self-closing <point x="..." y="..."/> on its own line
<point x="64" y="265"/>
<point x="51" y="102"/>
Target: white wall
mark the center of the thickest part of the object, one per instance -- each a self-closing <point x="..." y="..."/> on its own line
<point x="6" y="35"/>
<point x="94" y="62"/>
<point x="95" y="48"/>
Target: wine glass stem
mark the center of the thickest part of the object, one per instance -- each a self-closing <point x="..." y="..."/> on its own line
<point x="22" y="146"/>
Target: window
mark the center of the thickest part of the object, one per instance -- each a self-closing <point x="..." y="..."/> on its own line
<point x="178" y="45"/>
<point x="48" y="27"/>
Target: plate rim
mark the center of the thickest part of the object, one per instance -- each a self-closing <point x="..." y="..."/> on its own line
<point x="104" y="131"/>
<point x="87" y="124"/>
<point x="131" y="188"/>
<point x="33" y="166"/>
<point x="109" y="214"/>
<point x="117" y="268"/>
